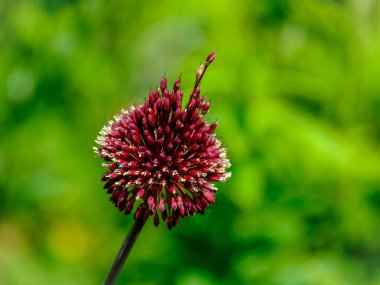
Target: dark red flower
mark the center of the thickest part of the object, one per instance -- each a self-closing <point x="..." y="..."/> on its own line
<point x="163" y="158"/>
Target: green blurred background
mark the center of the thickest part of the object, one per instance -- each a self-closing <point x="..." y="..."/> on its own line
<point x="295" y="88"/>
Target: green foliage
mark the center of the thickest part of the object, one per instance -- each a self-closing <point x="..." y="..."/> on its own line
<point x="295" y="88"/>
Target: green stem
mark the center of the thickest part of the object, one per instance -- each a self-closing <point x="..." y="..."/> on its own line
<point x="124" y="251"/>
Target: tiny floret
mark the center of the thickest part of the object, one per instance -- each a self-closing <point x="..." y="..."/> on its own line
<point x="163" y="159"/>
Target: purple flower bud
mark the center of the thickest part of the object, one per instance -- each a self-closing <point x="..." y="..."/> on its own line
<point x="162" y="205"/>
<point x="177" y="85"/>
<point x="156" y="220"/>
<point x="210" y="197"/>
<point x="163" y="83"/>
<point x="200" y="72"/>
<point x="121" y="199"/>
<point x="205" y="108"/>
<point x="138" y="212"/>
<point x="210" y="58"/>
<point x="163" y="157"/>
<point x="166" y="104"/>
<point x="140" y="193"/>
<point x="151" y="204"/>
<point x="164" y="215"/>
<point x="212" y="127"/>
<point x="173" y="204"/>
<point x="152" y="99"/>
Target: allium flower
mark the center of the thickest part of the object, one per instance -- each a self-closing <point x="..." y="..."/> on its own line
<point x="163" y="158"/>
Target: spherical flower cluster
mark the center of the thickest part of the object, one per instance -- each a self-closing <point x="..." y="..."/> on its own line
<point x="163" y="158"/>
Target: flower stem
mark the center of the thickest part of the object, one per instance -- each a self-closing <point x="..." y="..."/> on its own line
<point x="124" y="250"/>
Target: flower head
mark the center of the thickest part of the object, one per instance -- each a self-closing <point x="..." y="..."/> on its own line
<point x="163" y="158"/>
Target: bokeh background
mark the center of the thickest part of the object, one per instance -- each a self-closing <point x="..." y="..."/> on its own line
<point x="295" y="89"/>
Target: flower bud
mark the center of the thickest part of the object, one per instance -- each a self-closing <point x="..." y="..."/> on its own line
<point x="164" y="156"/>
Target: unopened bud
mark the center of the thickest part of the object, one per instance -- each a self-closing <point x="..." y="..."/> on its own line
<point x="177" y="84"/>
<point x="210" y="58"/>
<point x="156" y="220"/>
<point x="205" y="108"/>
<point x="200" y="71"/>
<point x="163" y="83"/>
